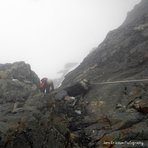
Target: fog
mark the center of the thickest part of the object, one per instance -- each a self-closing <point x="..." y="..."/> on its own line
<point x="47" y="34"/>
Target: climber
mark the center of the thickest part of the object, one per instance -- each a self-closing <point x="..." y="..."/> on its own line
<point x="46" y="85"/>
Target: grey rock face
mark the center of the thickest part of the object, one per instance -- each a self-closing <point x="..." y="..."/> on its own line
<point x="24" y="113"/>
<point x="18" y="71"/>
<point x="123" y="55"/>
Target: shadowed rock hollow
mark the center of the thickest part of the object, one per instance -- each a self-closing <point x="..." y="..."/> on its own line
<point x="109" y="115"/>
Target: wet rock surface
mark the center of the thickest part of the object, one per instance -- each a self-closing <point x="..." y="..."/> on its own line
<point x="27" y="119"/>
<point x="119" y="110"/>
<point x="108" y="115"/>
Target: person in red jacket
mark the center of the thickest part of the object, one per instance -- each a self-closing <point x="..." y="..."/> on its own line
<point x="46" y="85"/>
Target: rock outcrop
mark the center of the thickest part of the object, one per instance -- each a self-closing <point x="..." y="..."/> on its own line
<point x="25" y="120"/>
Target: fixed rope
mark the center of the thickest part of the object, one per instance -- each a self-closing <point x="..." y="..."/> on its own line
<point x="124" y="81"/>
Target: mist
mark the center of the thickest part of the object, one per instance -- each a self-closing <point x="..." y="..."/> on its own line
<point x="48" y="34"/>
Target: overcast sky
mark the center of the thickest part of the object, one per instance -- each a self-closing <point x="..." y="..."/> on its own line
<point x="47" y="34"/>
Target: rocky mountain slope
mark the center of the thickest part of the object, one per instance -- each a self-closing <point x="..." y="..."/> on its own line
<point x="26" y="116"/>
<point x="123" y="55"/>
<point x="109" y="115"/>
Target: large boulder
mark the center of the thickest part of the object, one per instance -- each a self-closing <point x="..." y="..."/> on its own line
<point x="18" y="70"/>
